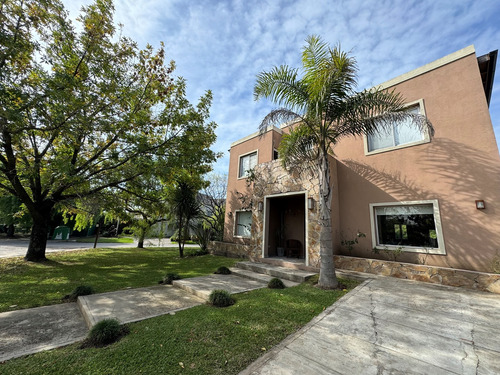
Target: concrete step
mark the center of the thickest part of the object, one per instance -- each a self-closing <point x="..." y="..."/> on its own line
<point x="132" y="305"/>
<point x="204" y="285"/>
<point x="259" y="276"/>
<point x="297" y="264"/>
<point x="283" y="273"/>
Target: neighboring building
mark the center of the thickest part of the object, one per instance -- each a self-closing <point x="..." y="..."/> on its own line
<point x="404" y="190"/>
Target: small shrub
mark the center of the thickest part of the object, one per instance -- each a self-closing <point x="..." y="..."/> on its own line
<point x="196" y="253"/>
<point x="275" y="283"/>
<point x="80" y="290"/>
<point x="349" y="244"/>
<point x="105" y="332"/>
<point x="223" y="271"/>
<point x="220" y="298"/>
<point x="169" y="277"/>
<point x="202" y="236"/>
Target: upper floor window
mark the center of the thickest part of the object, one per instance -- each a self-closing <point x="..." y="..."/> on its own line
<point x="247" y="162"/>
<point x="401" y="134"/>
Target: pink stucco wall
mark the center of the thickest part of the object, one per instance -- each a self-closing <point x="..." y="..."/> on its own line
<point x="461" y="164"/>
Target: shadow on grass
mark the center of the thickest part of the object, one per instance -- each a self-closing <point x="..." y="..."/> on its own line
<point x="26" y="284"/>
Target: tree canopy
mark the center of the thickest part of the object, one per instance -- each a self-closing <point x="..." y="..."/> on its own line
<point x="84" y="111"/>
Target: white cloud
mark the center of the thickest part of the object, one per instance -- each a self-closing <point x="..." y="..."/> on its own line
<point x="222" y="45"/>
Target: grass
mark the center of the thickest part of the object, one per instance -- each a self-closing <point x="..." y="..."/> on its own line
<point x="104" y="239"/>
<point x="25" y="284"/>
<point x="200" y="340"/>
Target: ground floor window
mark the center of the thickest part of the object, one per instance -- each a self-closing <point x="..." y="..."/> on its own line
<point x="413" y="226"/>
<point x="243" y="223"/>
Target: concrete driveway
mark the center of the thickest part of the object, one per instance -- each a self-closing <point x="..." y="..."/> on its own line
<point x="18" y="247"/>
<point x="393" y="326"/>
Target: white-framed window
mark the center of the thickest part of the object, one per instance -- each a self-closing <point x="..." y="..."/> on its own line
<point x="246" y="163"/>
<point x="401" y="134"/>
<point x="414" y="226"/>
<point x="243" y="224"/>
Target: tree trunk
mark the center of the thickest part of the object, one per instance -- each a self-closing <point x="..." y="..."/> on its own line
<point x="140" y="241"/>
<point x="327" y="276"/>
<point x="180" y="235"/>
<point x="10" y="231"/>
<point x="38" y="240"/>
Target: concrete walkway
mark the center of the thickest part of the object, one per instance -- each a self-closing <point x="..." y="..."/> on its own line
<point x="393" y="326"/>
<point x="384" y="326"/>
<point x="32" y="330"/>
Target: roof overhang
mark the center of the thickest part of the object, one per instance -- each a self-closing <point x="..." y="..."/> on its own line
<point x="487" y="64"/>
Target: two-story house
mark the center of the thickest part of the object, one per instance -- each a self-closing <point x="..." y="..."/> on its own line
<point x="432" y="200"/>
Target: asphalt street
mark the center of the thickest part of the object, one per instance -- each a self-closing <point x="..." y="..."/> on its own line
<point x="17" y="247"/>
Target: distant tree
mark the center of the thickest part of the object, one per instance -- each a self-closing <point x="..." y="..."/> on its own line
<point x="327" y="108"/>
<point x="12" y="213"/>
<point x="80" y="112"/>
<point x="184" y="206"/>
<point x="213" y="201"/>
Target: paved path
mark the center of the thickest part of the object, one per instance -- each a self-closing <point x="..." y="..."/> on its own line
<point x="33" y="330"/>
<point x="17" y="247"/>
<point x="393" y="326"/>
<point x="42" y="328"/>
<point x="384" y="326"/>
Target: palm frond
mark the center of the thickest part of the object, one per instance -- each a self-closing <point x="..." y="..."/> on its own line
<point x="328" y="74"/>
<point x="281" y="86"/>
<point x="277" y="117"/>
<point x="370" y="111"/>
<point x="298" y="148"/>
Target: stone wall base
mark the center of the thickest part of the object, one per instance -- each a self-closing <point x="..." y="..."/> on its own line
<point x="489" y="282"/>
<point x="229" y="249"/>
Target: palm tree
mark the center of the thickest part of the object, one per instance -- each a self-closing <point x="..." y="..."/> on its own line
<point x="325" y="108"/>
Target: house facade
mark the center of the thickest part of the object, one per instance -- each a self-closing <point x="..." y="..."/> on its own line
<point x="402" y="194"/>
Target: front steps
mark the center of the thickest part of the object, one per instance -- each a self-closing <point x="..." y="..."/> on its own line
<point x="244" y="277"/>
<point x="284" y="273"/>
<point x="262" y="277"/>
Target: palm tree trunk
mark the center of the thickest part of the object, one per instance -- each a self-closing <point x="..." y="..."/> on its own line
<point x="327" y="277"/>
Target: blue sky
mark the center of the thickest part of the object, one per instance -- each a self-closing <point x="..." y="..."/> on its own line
<point x="223" y="45"/>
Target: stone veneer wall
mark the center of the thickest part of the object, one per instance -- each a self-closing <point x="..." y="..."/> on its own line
<point x="488" y="282"/>
<point x="271" y="179"/>
<point x="230" y="249"/>
<point x="439" y="275"/>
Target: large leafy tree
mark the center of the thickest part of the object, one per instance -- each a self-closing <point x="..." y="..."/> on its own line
<point x="143" y="202"/>
<point x="80" y="111"/>
<point x="322" y="100"/>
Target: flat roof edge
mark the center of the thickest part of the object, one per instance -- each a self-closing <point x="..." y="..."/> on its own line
<point x="256" y="134"/>
<point x="428" y="67"/>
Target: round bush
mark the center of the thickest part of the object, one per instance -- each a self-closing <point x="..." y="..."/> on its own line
<point x="223" y="271"/>
<point x="105" y="332"/>
<point x="276" y="284"/>
<point x="169" y="277"/>
<point x="221" y="298"/>
<point x="81" y="290"/>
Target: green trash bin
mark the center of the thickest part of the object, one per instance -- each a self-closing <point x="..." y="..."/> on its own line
<point x="61" y="233"/>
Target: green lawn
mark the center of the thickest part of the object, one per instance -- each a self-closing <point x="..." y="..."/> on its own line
<point x="200" y="340"/>
<point x="104" y="239"/>
<point x="26" y="284"/>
